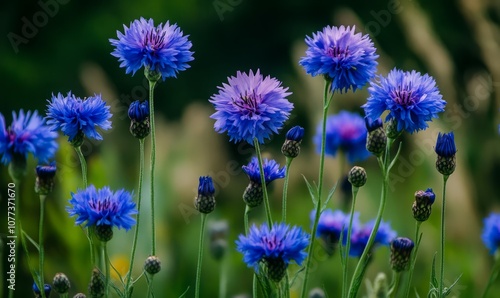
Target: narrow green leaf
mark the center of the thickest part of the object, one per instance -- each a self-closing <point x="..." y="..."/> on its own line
<point x="447" y="290"/>
<point x="185" y="292"/>
<point x="32" y="241"/>
<point x="313" y="191"/>
<point x="329" y="197"/>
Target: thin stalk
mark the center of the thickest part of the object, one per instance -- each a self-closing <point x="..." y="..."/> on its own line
<point x="493" y="275"/>
<point x="152" y="164"/>
<point x="396" y="276"/>
<point x="326" y="104"/>
<point x="254" y="286"/>
<point x="414" y="253"/>
<point x="223" y="278"/>
<point x="107" y="263"/>
<point x="40" y="244"/>
<point x="359" y="271"/>
<point x="285" y="188"/>
<point x="263" y="183"/>
<point x="345" y="254"/>
<point x="136" y="232"/>
<point x="245" y="219"/>
<point x="200" y="255"/>
<point x="83" y="164"/>
<point x="443" y="211"/>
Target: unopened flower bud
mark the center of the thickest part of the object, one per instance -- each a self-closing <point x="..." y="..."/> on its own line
<point x="422" y="207"/>
<point x="357" y="176"/>
<point x="205" y="201"/>
<point x="400" y="253"/>
<point x="45" y="179"/>
<point x="61" y="283"/>
<point x="445" y="149"/>
<point x="152" y="265"/>
<point x="376" y="139"/>
<point x="291" y="146"/>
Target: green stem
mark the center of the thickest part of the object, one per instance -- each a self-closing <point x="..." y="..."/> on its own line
<point x="493" y="275"/>
<point x="136" y="232"/>
<point x="443" y="211"/>
<point x="104" y="248"/>
<point x="223" y="278"/>
<point x="326" y="104"/>
<point x="245" y="219"/>
<point x="363" y="260"/>
<point x="285" y="188"/>
<point x="40" y="244"/>
<point x="394" y="288"/>
<point x="200" y="255"/>
<point x="345" y="255"/>
<point x="414" y="253"/>
<point x="83" y="164"/>
<point x="254" y="286"/>
<point x="263" y="183"/>
<point x="152" y="164"/>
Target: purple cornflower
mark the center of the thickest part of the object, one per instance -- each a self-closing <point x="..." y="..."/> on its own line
<point x="347" y="132"/>
<point x="331" y="225"/>
<point x="345" y="58"/>
<point x="250" y="106"/>
<point x="359" y="239"/>
<point x="162" y="49"/>
<point x="77" y="117"/>
<point x="272" y="170"/>
<point x="412" y="99"/>
<point x="276" y="247"/>
<point x="491" y="232"/>
<point x="27" y="134"/>
<point x="103" y="207"/>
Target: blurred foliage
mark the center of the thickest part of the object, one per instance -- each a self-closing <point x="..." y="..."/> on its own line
<point x="457" y="42"/>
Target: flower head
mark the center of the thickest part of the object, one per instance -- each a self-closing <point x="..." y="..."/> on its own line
<point x="163" y="49"/>
<point x="344" y="57"/>
<point x="491" y="232"/>
<point x="445" y="145"/>
<point x="205" y="201"/>
<point x="279" y="243"/>
<point x="410" y="98"/>
<point x="331" y="225"/>
<point x="250" y="106"/>
<point x="359" y="238"/>
<point x="272" y="170"/>
<point x="347" y="132"/>
<point x="138" y="110"/>
<point x="103" y="207"/>
<point x="27" y="134"/>
<point x="77" y="117"/>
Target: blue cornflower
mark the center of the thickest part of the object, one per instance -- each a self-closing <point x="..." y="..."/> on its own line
<point x="138" y="110"/>
<point x="44" y="182"/>
<point x="491" y="232"/>
<point x="162" y="49"/>
<point x="272" y="170"/>
<point x="347" y="132"/>
<point x="276" y="247"/>
<point x="103" y="207"/>
<point x="410" y="98"/>
<point x="359" y="239"/>
<point x="445" y="145"/>
<point x="344" y="57"/>
<point x="27" y="134"/>
<point x="295" y="133"/>
<point x="250" y="106"/>
<point x="331" y="225"/>
<point x="77" y="117"/>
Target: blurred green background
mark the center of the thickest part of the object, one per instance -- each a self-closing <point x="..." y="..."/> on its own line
<point x="457" y="42"/>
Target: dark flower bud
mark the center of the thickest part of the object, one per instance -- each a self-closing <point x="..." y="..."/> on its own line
<point x="445" y="149"/>
<point x="376" y="139"/>
<point x="138" y="113"/>
<point x="357" y="176"/>
<point x="218" y="233"/>
<point x="400" y="253"/>
<point x="276" y="268"/>
<point x="291" y="146"/>
<point x="45" y="179"/>
<point x="205" y="201"/>
<point x="422" y="207"/>
<point x="316" y="293"/>
<point x="391" y="129"/>
<point x="104" y="232"/>
<point x="253" y="194"/>
<point x="61" y="283"/>
<point x="97" y="285"/>
<point x="152" y="265"/>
